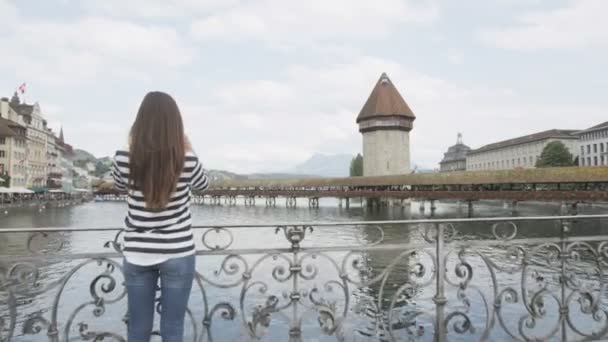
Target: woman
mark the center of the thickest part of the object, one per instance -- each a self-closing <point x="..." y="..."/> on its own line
<point x="158" y="171"/>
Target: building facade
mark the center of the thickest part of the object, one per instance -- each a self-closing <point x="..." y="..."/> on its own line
<point x="6" y="144"/>
<point x="36" y="142"/>
<point x="455" y="159"/>
<point x="67" y="165"/>
<point x="522" y="152"/>
<point x="385" y="122"/>
<point x="593" y="145"/>
<point x="13" y="145"/>
<point x="53" y="159"/>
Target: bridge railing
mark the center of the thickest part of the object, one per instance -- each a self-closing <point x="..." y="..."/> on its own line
<point x="499" y="279"/>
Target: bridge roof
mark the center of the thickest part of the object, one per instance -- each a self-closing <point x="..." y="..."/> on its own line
<point x="385" y="100"/>
<point x="523" y="176"/>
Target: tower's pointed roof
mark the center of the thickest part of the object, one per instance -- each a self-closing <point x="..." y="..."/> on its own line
<point x="385" y="100"/>
<point x="61" y="135"/>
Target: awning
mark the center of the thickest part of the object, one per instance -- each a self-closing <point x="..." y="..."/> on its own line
<point x="21" y="190"/>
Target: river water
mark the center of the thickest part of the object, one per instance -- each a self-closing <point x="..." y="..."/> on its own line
<point x="362" y="299"/>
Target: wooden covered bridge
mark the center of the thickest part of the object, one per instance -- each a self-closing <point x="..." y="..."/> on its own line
<point x="568" y="184"/>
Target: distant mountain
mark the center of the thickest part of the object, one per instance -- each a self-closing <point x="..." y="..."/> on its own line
<point x="220" y="175"/>
<point x="277" y="176"/>
<point x="324" y="165"/>
<point x="83" y="156"/>
<point x="105" y="161"/>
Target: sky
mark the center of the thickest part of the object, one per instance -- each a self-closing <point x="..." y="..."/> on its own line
<point x="265" y="84"/>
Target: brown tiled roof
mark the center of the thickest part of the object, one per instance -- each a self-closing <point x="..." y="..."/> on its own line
<point x="553" y="133"/>
<point x="5" y="129"/>
<point x="385" y="100"/>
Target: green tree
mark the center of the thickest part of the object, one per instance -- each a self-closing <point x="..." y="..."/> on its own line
<point x="356" y="166"/>
<point x="555" y="154"/>
<point x="101" y="169"/>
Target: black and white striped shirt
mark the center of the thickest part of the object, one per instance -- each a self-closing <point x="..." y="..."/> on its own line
<point x="152" y="237"/>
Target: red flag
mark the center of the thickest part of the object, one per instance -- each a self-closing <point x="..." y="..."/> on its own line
<point x="22" y="88"/>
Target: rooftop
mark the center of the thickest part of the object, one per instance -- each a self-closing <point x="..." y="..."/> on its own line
<point x="5" y="128"/>
<point x="603" y="125"/>
<point x="553" y="133"/>
<point x="385" y="100"/>
<point x="456" y="152"/>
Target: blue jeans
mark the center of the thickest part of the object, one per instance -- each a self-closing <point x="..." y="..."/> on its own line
<point x="176" y="277"/>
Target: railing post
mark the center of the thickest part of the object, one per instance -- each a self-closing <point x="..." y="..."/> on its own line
<point x="565" y="227"/>
<point x="440" y="299"/>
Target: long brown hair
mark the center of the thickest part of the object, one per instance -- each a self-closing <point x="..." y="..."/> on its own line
<point x="157" y="149"/>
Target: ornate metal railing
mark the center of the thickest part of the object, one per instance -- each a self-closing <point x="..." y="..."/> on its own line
<point x="524" y="279"/>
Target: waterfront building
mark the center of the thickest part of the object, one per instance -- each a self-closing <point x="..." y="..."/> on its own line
<point x="455" y="159"/>
<point x="521" y="152"/>
<point x="385" y="122"/>
<point x="36" y="142"/>
<point x="13" y="145"/>
<point x="593" y="145"/>
<point x="53" y="158"/>
<point x="66" y="164"/>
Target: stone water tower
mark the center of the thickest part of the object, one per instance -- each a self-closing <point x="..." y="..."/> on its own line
<point x="385" y="122"/>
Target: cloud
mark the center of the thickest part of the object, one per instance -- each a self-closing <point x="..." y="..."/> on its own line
<point x="8" y="13"/>
<point x="72" y="52"/>
<point x="455" y="57"/>
<point x="315" y="20"/>
<point x="153" y="8"/>
<point x="581" y="24"/>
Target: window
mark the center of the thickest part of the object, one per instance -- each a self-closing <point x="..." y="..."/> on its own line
<point x="601" y="147"/>
<point x="588" y="161"/>
<point x="588" y="149"/>
<point x="595" y="160"/>
<point x="2" y="141"/>
<point x="594" y="148"/>
<point x="582" y="161"/>
<point x="2" y="154"/>
<point x="582" y="150"/>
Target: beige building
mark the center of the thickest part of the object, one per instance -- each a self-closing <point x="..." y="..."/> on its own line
<point x="522" y="152"/>
<point x="593" y="145"/>
<point x="36" y="142"/>
<point x="13" y="145"/>
<point x="385" y="122"/>
<point x="53" y="159"/>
